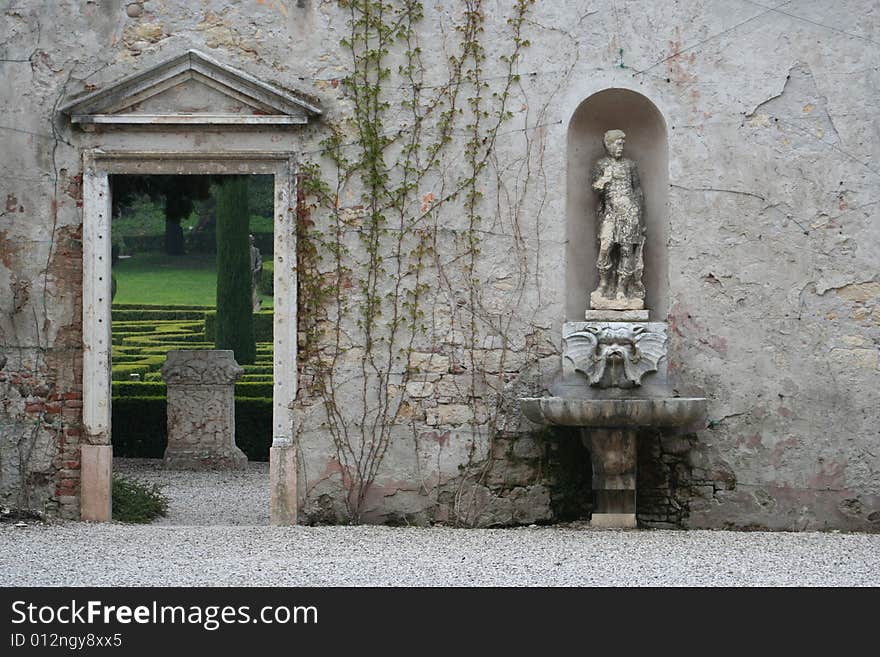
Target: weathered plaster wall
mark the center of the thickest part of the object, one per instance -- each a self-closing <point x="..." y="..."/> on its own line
<point x="773" y="286"/>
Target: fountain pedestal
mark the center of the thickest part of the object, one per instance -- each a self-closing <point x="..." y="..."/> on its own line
<point x="614" y="454"/>
<point x="614" y="382"/>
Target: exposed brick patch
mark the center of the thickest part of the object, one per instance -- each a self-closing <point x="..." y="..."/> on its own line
<point x="43" y="386"/>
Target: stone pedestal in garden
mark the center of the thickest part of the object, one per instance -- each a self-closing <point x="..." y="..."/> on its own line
<point x="201" y="410"/>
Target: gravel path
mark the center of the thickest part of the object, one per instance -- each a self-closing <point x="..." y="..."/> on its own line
<point x="232" y="497"/>
<point x="183" y="551"/>
<point x="81" y="554"/>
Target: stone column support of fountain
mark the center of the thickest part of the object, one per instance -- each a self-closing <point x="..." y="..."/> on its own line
<point x="613" y="453"/>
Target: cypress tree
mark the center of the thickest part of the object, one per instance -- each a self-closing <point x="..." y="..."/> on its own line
<point x="235" y="319"/>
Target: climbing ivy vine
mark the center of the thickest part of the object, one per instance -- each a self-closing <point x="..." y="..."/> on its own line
<point x="375" y="261"/>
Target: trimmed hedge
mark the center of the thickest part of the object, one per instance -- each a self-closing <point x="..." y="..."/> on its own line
<point x="118" y="359"/>
<point x="142" y="336"/>
<point x="163" y="338"/>
<point x="160" y="327"/>
<point x="123" y="371"/>
<point x="125" y="351"/>
<point x="258" y="369"/>
<point x="263" y="325"/>
<point x="155" y="315"/>
<point x="253" y="427"/>
<point x="155" y="340"/>
<point x="163" y="349"/>
<point x="148" y="436"/>
<point x="180" y="327"/>
<point x="126" y="339"/>
<point x="139" y="428"/>
<point x="156" y="306"/>
<point x="249" y="389"/>
<point x="254" y="390"/>
<point x="129" y="328"/>
<point x="139" y="389"/>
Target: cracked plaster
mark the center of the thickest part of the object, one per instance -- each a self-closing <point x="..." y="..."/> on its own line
<point x="772" y="226"/>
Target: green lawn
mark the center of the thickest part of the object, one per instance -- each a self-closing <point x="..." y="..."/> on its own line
<point x="161" y="279"/>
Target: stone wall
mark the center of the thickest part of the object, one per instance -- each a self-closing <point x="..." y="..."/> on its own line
<point x="773" y="234"/>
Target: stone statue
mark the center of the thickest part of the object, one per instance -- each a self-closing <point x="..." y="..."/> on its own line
<point x="256" y="274"/>
<point x="621" y="229"/>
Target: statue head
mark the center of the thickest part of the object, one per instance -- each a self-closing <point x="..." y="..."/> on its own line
<point x="614" y="141"/>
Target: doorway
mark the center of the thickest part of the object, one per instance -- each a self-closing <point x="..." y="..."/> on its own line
<point x="97" y="451"/>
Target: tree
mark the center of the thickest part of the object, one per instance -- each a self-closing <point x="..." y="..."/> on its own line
<point x="235" y="320"/>
<point x="177" y="193"/>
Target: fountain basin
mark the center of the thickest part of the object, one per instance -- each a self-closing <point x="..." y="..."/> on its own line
<point x="614" y="413"/>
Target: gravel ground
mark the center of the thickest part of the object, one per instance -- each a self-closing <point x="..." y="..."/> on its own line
<point x="218" y="540"/>
<point x="231" y="497"/>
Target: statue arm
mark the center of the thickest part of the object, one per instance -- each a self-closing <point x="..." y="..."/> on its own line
<point x="639" y="194"/>
<point x="598" y="177"/>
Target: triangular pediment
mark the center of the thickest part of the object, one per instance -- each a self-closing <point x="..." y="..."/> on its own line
<point x="192" y="90"/>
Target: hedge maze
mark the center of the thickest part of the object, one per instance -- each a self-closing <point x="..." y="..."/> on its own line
<point x="142" y="336"/>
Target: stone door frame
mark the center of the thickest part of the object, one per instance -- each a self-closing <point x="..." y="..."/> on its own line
<point x="96" y="450"/>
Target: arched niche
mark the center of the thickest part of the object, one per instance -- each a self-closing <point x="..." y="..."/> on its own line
<point x="646" y="143"/>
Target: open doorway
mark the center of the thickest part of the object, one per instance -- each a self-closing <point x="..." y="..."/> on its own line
<point x="192" y="270"/>
<point x="109" y="358"/>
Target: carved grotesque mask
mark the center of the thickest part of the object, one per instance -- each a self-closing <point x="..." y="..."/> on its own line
<point x="615" y="356"/>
